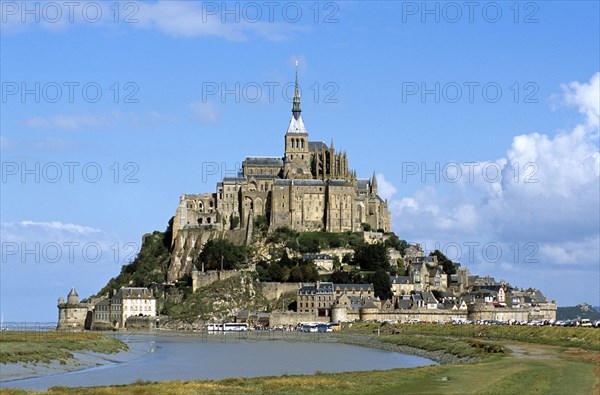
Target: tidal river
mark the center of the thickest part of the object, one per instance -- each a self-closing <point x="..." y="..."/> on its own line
<point x="155" y="357"/>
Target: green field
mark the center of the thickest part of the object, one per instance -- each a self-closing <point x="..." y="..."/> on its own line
<point x="53" y="346"/>
<point x="506" y="366"/>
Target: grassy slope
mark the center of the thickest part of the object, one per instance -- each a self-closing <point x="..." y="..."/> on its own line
<point x="529" y="368"/>
<point x="587" y="338"/>
<point x="510" y="375"/>
<point x="49" y="346"/>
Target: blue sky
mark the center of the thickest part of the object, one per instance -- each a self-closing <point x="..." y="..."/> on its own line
<point x="107" y="118"/>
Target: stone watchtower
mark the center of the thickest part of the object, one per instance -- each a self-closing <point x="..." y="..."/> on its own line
<point x="71" y="315"/>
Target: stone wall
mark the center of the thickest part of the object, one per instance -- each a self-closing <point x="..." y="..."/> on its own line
<point x="293" y="318"/>
<point x="202" y="279"/>
<point x="545" y="311"/>
<point x="144" y="323"/>
<point x="273" y="291"/>
<point x="426" y="315"/>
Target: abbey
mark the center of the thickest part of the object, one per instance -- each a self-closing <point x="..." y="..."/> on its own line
<point x="309" y="188"/>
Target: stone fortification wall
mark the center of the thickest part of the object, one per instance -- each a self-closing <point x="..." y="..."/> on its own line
<point x="273" y="290"/>
<point x="293" y="318"/>
<point x="202" y="279"/>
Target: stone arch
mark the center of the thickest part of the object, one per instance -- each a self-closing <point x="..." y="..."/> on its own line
<point x="258" y="206"/>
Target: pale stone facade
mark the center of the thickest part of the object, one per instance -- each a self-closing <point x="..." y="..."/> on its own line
<point x="127" y="302"/>
<point x="310" y="188"/>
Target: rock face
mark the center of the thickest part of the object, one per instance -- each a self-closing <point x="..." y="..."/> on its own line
<point x="219" y="301"/>
<point x="186" y="245"/>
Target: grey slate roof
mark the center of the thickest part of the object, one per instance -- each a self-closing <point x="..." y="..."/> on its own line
<point x="312" y="289"/>
<point x="362" y="184"/>
<point x="317" y="145"/>
<point x="133" y="292"/>
<point x="338" y="183"/>
<point x="263" y="161"/>
<point x="299" y="182"/>
<point x="233" y="180"/>
<point x="316" y="256"/>
<point x="357" y="287"/>
<point x="401" y="280"/>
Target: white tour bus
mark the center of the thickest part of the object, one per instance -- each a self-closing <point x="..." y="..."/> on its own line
<point x="227" y="327"/>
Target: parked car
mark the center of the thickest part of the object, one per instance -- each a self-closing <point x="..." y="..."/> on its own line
<point x="585" y="322"/>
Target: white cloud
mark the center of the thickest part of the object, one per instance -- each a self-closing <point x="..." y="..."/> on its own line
<point x="84" y="121"/>
<point x="585" y="96"/>
<point x="194" y="19"/>
<point x="31" y="241"/>
<point x="205" y="112"/>
<point x="385" y="188"/>
<point x="74" y="122"/>
<point x="233" y="21"/>
<point x="59" y="226"/>
<point x="548" y="195"/>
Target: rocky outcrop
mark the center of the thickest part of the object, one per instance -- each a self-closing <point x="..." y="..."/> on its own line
<point x="187" y="244"/>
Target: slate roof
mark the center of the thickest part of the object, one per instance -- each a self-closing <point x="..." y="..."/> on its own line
<point x="401" y="280"/>
<point x="234" y="179"/>
<point x="299" y="182"/>
<point x="316" y="256"/>
<point x="357" y="287"/>
<point x="338" y="183"/>
<point x="317" y="145"/>
<point x="362" y="184"/>
<point x="312" y="289"/>
<point x="263" y="161"/>
<point x="133" y="292"/>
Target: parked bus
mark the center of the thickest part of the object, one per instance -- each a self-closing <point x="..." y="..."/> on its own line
<point x="227" y="327"/>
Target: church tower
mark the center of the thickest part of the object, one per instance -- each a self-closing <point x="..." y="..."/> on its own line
<point x="297" y="155"/>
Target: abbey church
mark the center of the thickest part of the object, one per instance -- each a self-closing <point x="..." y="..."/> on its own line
<point x="309" y="188"/>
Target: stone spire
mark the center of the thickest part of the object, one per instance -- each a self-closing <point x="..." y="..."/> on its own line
<point x="296" y="105"/>
<point x="374" y="185"/>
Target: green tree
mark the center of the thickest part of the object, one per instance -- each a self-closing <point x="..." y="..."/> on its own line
<point x="261" y="223"/>
<point x="340" y="277"/>
<point x="296" y="275"/>
<point x="309" y="273"/>
<point x="216" y="251"/>
<point x="336" y="262"/>
<point x="448" y="266"/>
<point x="394" y="242"/>
<point x="382" y="284"/>
<point x="235" y="221"/>
<point x="285" y="260"/>
<point x="372" y="256"/>
<point x="276" y="272"/>
<point x="309" y="243"/>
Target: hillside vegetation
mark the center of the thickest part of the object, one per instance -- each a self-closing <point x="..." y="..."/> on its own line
<point x="574" y="312"/>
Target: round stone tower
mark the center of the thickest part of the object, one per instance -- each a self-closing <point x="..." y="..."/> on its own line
<point x="71" y="315"/>
<point x="339" y="314"/>
<point x="72" y="297"/>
